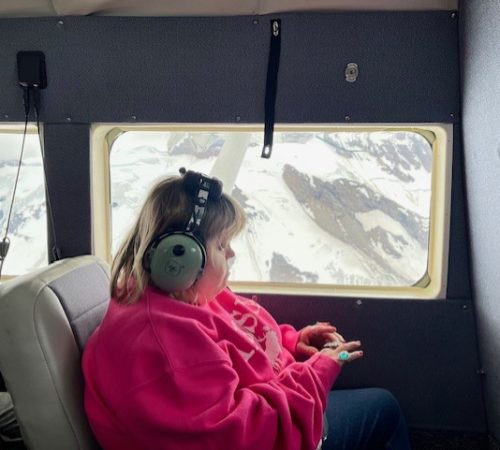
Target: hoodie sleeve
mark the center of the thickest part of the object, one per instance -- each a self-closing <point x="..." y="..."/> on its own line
<point x="204" y="406"/>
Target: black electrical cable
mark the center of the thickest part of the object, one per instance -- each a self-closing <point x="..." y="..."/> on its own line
<point x="56" y="254"/>
<point x="5" y="244"/>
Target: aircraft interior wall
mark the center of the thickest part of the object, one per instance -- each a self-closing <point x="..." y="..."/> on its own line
<point x="480" y="58"/>
<point x="213" y="70"/>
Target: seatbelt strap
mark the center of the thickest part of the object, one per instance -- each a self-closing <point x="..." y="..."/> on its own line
<point x="271" y="86"/>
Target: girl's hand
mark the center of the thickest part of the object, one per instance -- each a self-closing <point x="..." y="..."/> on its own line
<point x="314" y="337"/>
<point x="346" y="352"/>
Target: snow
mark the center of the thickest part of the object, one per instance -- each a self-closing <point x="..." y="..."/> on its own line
<point x="28" y="225"/>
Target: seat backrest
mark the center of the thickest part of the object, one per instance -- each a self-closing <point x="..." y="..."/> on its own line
<point x="46" y="318"/>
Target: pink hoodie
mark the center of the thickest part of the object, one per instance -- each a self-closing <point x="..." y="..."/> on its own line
<point x="165" y="375"/>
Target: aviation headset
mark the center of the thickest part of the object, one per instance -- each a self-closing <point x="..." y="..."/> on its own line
<point x="175" y="259"/>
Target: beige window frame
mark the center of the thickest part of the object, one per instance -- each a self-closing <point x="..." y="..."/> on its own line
<point x="431" y="286"/>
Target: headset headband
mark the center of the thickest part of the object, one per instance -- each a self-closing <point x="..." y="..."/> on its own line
<point x="200" y="187"/>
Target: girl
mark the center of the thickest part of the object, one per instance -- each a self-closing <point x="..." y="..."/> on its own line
<point x="181" y="362"/>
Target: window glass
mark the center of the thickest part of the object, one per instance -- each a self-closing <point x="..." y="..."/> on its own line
<point x="138" y="159"/>
<point x="28" y="223"/>
<point x="336" y="208"/>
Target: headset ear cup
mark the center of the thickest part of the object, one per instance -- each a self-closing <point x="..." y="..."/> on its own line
<point x="176" y="261"/>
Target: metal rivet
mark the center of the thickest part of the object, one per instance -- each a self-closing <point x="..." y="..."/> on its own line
<point x="255" y="21"/>
<point x="347" y="117"/>
<point x="133" y="117"/>
<point x="5" y="116"/>
<point x="351" y="72"/>
<point x="452" y="115"/>
<point x="453" y="15"/>
<point x="359" y="303"/>
<point x="276" y="28"/>
<point x="68" y="119"/>
<point x="238" y="118"/>
<point x="464" y="307"/>
<point x="60" y="22"/>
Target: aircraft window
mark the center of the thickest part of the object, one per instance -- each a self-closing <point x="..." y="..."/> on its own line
<point x="28" y="223"/>
<point x="329" y="208"/>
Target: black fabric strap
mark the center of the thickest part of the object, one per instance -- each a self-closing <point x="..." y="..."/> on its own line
<point x="201" y="188"/>
<point x="271" y="86"/>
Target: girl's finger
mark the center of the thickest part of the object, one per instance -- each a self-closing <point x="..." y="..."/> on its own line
<point x="331" y="337"/>
<point x="355" y="355"/>
<point x="350" y="346"/>
<point x="306" y="349"/>
<point x="339" y="337"/>
<point x="320" y="329"/>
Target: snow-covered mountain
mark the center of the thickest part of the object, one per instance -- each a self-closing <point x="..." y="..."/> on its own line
<point x="28" y="223"/>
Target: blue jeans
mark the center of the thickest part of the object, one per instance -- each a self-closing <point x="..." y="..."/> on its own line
<point x="365" y="419"/>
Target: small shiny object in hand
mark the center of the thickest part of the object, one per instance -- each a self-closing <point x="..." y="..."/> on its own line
<point x="332" y="344"/>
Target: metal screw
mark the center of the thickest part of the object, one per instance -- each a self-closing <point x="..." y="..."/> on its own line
<point x="255" y="21"/>
<point x="465" y="307"/>
<point x="68" y="119"/>
<point x="60" y="23"/>
<point x="133" y="117"/>
<point x="347" y="117"/>
<point x="238" y="118"/>
<point x="452" y="115"/>
<point x="276" y="28"/>
<point x="453" y="15"/>
<point x="359" y="303"/>
<point x="351" y="72"/>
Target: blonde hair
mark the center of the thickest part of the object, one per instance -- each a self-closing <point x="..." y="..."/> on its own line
<point x="167" y="206"/>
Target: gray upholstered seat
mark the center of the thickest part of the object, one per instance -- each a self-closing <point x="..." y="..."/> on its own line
<point x="45" y="319"/>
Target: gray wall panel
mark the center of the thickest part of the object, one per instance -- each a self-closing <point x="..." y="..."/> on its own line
<point x="422" y="351"/>
<point x="68" y="172"/>
<point x="407" y="68"/>
<point x="104" y="69"/>
<point x="481" y="113"/>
